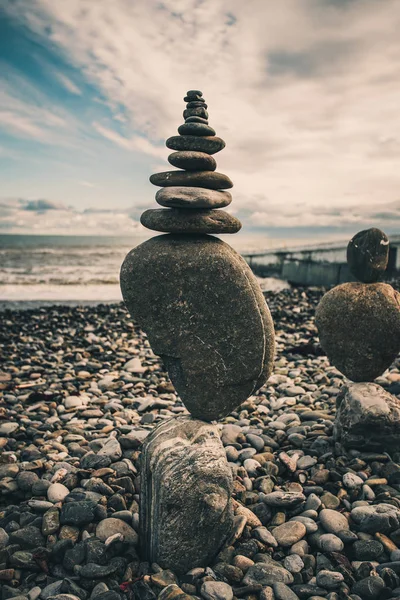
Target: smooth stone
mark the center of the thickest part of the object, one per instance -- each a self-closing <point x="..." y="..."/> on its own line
<point x="195" y="112"/>
<point x="217" y="306"/>
<point x="216" y="590"/>
<point x="189" y="220"/>
<point x="8" y="428"/>
<point x="193" y="95"/>
<point x="330" y="580"/>
<point x="329" y="542"/>
<point x="186" y="511"/>
<point x="188" y="197"/>
<point x="111" y="526"/>
<point x="359" y="328"/>
<point x="284" y="499"/>
<point x="196" y="103"/>
<point x="368" y="254"/>
<point x="267" y="573"/>
<point x="195" y="129"/>
<point x="367" y="416"/>
<point x="309" y="524"/>
<point x="333" y="521"/>
<point x="196" y="120"/>
<point x="283" y="592"/>
<point x="289" y="533"/>
<point x="192" y="161"/>
<point x="57" y="492"/>
<point x="352" y="481"/>
<point x="207" y="144"/>
<point x="383" y="518"/>
<point x="203" y="179"/>
<point x="293" y="562"/>
<point x="369" y="588"/>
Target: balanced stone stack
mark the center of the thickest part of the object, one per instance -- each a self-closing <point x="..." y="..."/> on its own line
<point x="359" y="329"/>
<point x="206" y="317"/>
<point x="193" y="195"/>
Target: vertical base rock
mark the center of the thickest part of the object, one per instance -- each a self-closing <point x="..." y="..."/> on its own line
<point x="367" y="417"/>
<point x="186" y="509"/>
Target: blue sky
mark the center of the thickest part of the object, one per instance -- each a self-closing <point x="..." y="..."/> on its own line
<point x="304" y="92"/>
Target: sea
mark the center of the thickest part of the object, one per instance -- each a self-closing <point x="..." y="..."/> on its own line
<point x="41" y="270"/>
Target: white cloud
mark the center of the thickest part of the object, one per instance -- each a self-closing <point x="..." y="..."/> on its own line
<point x="133" y="144"/>
<point x="52" y="218"/>
<point x="305" y="93"/>
<point x="68" y="84"/>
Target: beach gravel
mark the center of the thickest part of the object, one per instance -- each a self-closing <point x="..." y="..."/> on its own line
<point x="80" y="390"/>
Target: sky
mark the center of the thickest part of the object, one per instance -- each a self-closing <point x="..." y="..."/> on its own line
<point x="305" y="93"/>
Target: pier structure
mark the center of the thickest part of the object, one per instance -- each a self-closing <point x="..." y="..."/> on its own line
<point x="314" y="265"/>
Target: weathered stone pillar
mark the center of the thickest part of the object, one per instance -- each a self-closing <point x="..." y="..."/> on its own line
<point x="206" y="317"/>
<point x="359" y="329"/>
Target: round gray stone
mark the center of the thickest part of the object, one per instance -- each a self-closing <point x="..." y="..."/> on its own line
<point x="188" y="197"/>
<point x="195" y="112"/>
<point x="189" y="220"/>
<point x="359" y="328"/>
<point x="368" y="254"/>
<point x="195" y="129"/>
<point x="208" y="144"/>
<point x="289" y="533"/>
<point x="196" y="120"/>
<point x="333" y="521"/>
<point x="381" y="517"/>
<point x="203" y="179"/>
<point x="192" y="161"/>
<point x="111" y="526"/>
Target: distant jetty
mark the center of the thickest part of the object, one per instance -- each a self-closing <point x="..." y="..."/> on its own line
<point x="314" y="265"/>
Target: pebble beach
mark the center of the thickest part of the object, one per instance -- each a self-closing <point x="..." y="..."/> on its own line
<point x="80" y="390"/>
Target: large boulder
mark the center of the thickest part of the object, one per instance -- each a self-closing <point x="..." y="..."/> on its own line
<point x="359" y="328"/>
<point x="186" y="510"/>
<point x="205" y="315"/>
<point x="367" y="417"/>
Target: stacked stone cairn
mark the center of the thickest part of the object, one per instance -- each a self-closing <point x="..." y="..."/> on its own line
<point x="193" y="195"/>
<point x="359" y="329"/>
<point x="206" y="317"/>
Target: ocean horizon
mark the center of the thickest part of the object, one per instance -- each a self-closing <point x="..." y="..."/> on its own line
<point x="52" y="269"/>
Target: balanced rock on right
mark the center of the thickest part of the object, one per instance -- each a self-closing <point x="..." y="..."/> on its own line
<point x="359" y="329"/>
<point x="359" y="323"/>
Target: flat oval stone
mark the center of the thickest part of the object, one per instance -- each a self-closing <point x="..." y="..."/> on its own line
<point x="195" y="112"/>
<point x="195" y="129"/>
<point x="190" y="220"/>
<point x="196" y="120"/>
<point x="359" y="328"/>
<point x="192" y="161"/>
<point x="206" y="179"/>
<point x="205" y="315"/>
<point x="188" y="197"/>
<point x="208" y="144"/>
<point x="368" y="254"/>
<point x="193" y="95"/>
<point x="196" y="104"/>
<point x="186" y="511"/>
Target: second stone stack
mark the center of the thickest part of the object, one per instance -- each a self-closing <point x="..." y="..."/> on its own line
<point x="193" y="195"/>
